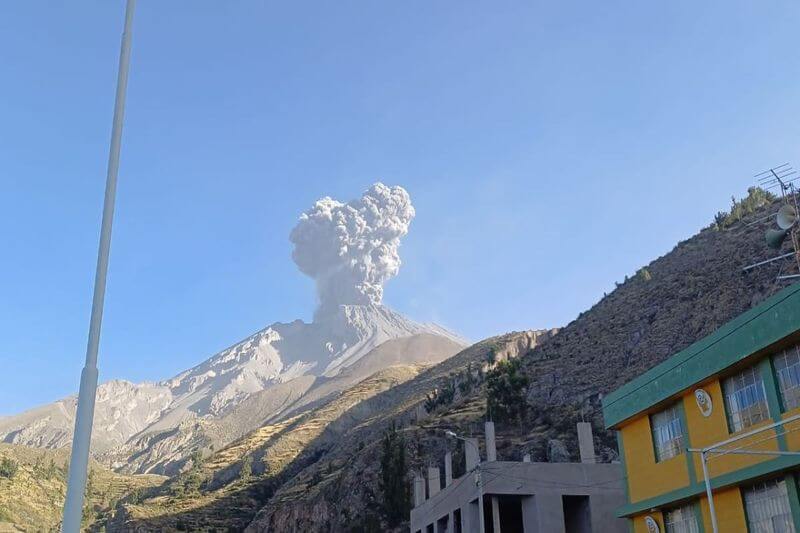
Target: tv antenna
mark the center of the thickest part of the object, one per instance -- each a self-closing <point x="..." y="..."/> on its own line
<point x="787" y="218"/>
<point x="778" y="177"/>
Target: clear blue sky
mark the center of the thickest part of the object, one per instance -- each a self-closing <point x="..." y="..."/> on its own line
<point x="550" y="148"/>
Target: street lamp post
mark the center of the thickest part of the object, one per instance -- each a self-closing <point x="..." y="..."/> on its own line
<point x="478" y="477"/>
<point x="81" y="441"/>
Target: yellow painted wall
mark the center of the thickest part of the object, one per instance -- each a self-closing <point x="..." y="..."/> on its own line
<point x="729" y="511"/>
<point x="706" y="431"/>
<point x="730" y="514"/>
<point x="646" y="477"/>
<point x="639" y="525"/>
<point x="792" y="430"/>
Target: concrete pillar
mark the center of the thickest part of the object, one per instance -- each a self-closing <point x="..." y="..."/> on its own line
<point x="544" y="513"/>
<point x="526" y="458"/>
<point x="530" y="514"/>
<point x="419" y="489"/>
<point x="434" y="485"/>
<point x="471" y="453"/>
<point x="469" y="517"/>
<point x="491" y="448"/>
<point x="496" y="514"/>
<point x="586" y="442"/>
<point x="448" y="469"/>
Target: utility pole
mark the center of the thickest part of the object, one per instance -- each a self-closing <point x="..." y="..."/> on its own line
<point x="478" y="479"/>
<point x="81" y="441"/>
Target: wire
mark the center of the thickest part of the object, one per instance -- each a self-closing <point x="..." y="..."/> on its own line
<point x="765" y="439"/>
<point x="455" y="484"/>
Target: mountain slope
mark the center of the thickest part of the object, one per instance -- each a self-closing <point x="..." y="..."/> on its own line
<point x="221" y="495"/>
<point x="153" y="427"/>
<point x="302" y="452"/>
<point x="165" y="451"/>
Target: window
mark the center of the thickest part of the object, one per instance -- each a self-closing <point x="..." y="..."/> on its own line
<point x="667" y="433"/>
<point x="787" y="366"/>
<point x="681" y="520"/>
<point x="745" y="400"/>
<point x="767" y="506"/>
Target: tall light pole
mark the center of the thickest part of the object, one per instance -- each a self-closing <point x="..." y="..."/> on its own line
<point x="81" y="441"/>
<point x="478" y="477"/>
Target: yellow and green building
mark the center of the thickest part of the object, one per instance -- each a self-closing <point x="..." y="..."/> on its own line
<point x="740" y="383"/>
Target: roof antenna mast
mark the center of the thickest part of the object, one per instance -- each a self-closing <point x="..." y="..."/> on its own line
<point x="787" y="218"/>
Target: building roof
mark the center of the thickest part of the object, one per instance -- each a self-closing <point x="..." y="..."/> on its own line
<point x="752" y="331"/>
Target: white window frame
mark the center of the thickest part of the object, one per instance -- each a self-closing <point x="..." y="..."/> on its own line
<point x="787" y="370"/>
<point x="745" y="399"/>
<point x="767" y="507"/>
<point x="681" y="519"/>
<point x="667" y="430"/>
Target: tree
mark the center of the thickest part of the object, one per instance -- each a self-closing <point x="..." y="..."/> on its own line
<point x="506" y="387"/>
<point x="8" y="467"/>
<point x="396" y="493"/>
<point x="247" y="469"/>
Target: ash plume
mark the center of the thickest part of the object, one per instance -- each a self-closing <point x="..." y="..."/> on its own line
<point x="351" y="249"/>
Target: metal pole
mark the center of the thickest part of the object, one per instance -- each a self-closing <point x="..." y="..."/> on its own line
<point x="479" y="481"/>
<point x="480" y="495"/>
<point x="709" y="495"/>
<point x="478" y="476"/>
<point x="756" y="452"/>
<point x="81" y="441"/>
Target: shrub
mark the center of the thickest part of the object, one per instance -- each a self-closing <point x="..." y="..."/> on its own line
<point x="443" y="396"/>
<point x="8" y="468"/>
<point x="756" y="198"/>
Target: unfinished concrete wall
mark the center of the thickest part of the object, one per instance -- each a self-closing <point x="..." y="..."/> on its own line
<point x="542" y="487"/>
<point x="543" y="513"/>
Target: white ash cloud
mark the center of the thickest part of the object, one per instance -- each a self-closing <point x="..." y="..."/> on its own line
<point x="351" y="249"/>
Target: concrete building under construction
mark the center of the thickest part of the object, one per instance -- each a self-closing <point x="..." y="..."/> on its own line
<point x="522" y="496"/>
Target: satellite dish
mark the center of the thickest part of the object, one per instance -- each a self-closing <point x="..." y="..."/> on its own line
<point x="775" y="237"/>
<point x="787" y="217"/>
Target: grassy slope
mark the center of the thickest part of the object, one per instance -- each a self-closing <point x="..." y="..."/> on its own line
<point x="33" y="498"/>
